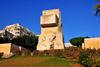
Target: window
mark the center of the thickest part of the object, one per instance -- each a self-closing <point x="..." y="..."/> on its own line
<point x="11" y="30"/>
<point x="17" y="29"/>
<point x="16" y="32"/>
<point x="17" y="25"/>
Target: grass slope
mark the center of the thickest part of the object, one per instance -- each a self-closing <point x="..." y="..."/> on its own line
<point x="35" y="61"/>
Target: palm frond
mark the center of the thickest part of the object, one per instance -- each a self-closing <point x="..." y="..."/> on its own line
<point x="97" y="12"/>
<point x="96" y="0"/>
<point x="96" y="7"/>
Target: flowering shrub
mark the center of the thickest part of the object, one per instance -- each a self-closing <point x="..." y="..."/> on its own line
<point x="27" y="52"/>
<point x="35" y="52"/>
<point x="18" y="52"/>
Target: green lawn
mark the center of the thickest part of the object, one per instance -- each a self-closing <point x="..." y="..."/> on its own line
<point x="35" y="61"/>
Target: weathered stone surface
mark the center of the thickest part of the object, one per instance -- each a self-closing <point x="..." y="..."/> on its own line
<point x="8" y="56"/>
<point x="7" y="48"/>
<point x="51" y="36"/>
<point x="91" y="43"/>
<point x="49" y="20"/>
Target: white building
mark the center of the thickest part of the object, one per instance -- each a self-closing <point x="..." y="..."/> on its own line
<point x="68" y="45"/>
<point x="1" y="33"/>
<point x="6" y="34"/>
<point x="18" y="30"/>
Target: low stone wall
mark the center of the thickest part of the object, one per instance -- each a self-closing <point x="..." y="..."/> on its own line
<point x="17" y="48"/>
<point x="22" y="48"/>
<point x="91" y="43"/>
<point x="14" y="48"/>
<point x="7" y="48"/>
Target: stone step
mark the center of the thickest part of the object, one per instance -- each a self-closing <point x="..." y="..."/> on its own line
<point x="8" y="56"/>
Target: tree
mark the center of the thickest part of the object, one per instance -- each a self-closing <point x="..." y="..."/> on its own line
<point x="6" y="38"/>
<point x="97" y="8"/>
<point x="1" y="40"/>
<point x="77" y="41"/>
<point x="29" y="42"/>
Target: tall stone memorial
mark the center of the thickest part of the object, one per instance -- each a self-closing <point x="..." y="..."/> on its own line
<point x="51" y="36"/>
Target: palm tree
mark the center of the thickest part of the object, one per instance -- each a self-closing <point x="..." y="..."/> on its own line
<point x="97" y="9"/>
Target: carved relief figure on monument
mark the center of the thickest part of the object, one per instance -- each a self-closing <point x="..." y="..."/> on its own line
<point x="51" y="40"/>
<point x="43" y="38"/>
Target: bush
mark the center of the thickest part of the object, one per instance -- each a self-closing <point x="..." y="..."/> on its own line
<point x="27" y="52"/>
<point x="87" y="62"/>
<point x="98" y="61"/>
<point x="18" y="52"/>
<point x="56" y="53"/>
<point x="41" y="53"/>
<point x="72" y="53"/>
<point x="35" y="52"/>
<point x="84" y="59"/>
<point x="26" y="41"/>
<point x="46" y="52"/>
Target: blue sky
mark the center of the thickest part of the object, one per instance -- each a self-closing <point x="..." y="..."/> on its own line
<point x="77" y="16"/>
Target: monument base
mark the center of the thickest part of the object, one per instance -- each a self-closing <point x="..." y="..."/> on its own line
<point x="41" y="47"/>
<point x="56" y="41"/>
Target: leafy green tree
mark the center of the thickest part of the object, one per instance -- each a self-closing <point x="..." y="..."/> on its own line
<point x="29" y="42"/>
<point x="1" y="39"/>
<point x="5" y="34"/>
<point x="97" y="8"/>
<point x="77" y="41"/>
<point x="4" y="40"/>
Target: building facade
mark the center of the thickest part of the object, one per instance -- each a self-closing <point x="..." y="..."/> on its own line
<point x="1" y="33"/>
<point x="18" y="30"/>
<point x="4" y="33"/>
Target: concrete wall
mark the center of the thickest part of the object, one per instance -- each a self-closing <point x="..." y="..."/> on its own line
<point x="68" y="45"/>
<point x="14" y="48"/>
<point x="17" y="48"/>
<point x="91" y="43"/>
<point x="9" y="47"/>
<point x="5" y="48"/>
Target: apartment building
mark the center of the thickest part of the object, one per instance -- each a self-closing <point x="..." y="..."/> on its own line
<point x="18" y="30"/>
<point x="4" y="33"/>
<point x="1" y="33"/>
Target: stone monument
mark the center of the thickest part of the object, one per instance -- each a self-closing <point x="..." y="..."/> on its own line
<point x="51" y="36"/>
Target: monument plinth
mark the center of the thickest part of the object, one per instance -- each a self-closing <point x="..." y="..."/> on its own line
<point x="51" y="36"/>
